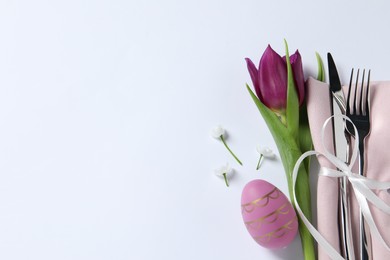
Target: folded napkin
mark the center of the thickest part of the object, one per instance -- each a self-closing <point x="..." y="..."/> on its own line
<point x="377" y="165"/>
<point x="318" y="110"/>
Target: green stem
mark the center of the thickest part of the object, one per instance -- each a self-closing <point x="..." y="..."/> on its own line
<point x="258" y="163"/>
<point x="303" y="197"/>
<point x="227" y="147"/>
<point x="226" y="180"/>
<point x="290" y="151"/>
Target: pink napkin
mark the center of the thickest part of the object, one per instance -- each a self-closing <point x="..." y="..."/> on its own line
<point x="318" y="110"/>
<point x="377" y="164"/>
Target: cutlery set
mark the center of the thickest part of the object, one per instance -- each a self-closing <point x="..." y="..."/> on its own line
<point x="357" y="108"/>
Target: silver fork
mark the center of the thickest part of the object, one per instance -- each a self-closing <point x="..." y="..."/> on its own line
<point x="360" y="116"/>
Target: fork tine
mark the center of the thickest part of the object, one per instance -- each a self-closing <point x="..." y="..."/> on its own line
<point x="361" y="121"/>
<point x="368" y="94"/>
<point x="354" y="98"/>
<point x="361" y="94"/>
<point x="349" y="94"/>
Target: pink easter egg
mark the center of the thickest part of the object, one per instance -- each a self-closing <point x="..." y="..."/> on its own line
<point x="268" y="215"/>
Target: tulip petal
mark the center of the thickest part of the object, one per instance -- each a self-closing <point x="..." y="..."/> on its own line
<point x="254" y="75"/>
<point x="273" y="80"/>
<point x="296" y="65"/>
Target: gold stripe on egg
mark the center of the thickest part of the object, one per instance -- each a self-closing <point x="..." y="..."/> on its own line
<point x="274" y="234"/>
<point x="258" y="222"/>
<point x="249" y="207"/>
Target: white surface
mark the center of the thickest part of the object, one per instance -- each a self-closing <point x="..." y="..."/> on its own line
<point x="105" y="113"/>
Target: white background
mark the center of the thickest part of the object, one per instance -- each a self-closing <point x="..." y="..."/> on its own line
<point x="106" y="108"/>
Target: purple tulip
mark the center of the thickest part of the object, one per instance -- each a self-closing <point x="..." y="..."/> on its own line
<point x="270" y="80"/>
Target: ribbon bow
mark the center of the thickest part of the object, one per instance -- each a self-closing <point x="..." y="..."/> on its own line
<point x="361" y="185"/>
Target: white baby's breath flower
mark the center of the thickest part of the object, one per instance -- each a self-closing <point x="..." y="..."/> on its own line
<point x="226" y="169"/>
<point x="225" y="172"/>
<point x="217" y="132"/>
<point x="264" y="152"/>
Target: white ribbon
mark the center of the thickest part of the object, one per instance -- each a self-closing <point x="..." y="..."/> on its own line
<point x="361" y="185"/>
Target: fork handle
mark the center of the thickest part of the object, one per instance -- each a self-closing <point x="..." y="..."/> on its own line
<point x="362" y="233"/>
<point x="345" y="214"/>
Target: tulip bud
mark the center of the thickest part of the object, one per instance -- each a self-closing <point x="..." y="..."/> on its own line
<point x="270" y="79"/>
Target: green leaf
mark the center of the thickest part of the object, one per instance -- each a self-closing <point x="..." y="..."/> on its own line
<point x="292" y="109"/>
<point x="284" y="141"/>
<point x="321" y="72"/>
<point x="272" y="120"/>
<point x="305" y="141"/>
<point x="289" y="153"/>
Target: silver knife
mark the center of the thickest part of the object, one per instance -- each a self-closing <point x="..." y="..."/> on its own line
<point x="338" y="127"/>
<point x="335" y="85"/>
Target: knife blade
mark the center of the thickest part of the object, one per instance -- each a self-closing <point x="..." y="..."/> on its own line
<point x="335" y="85"/>
<point x="338" y="127"/>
